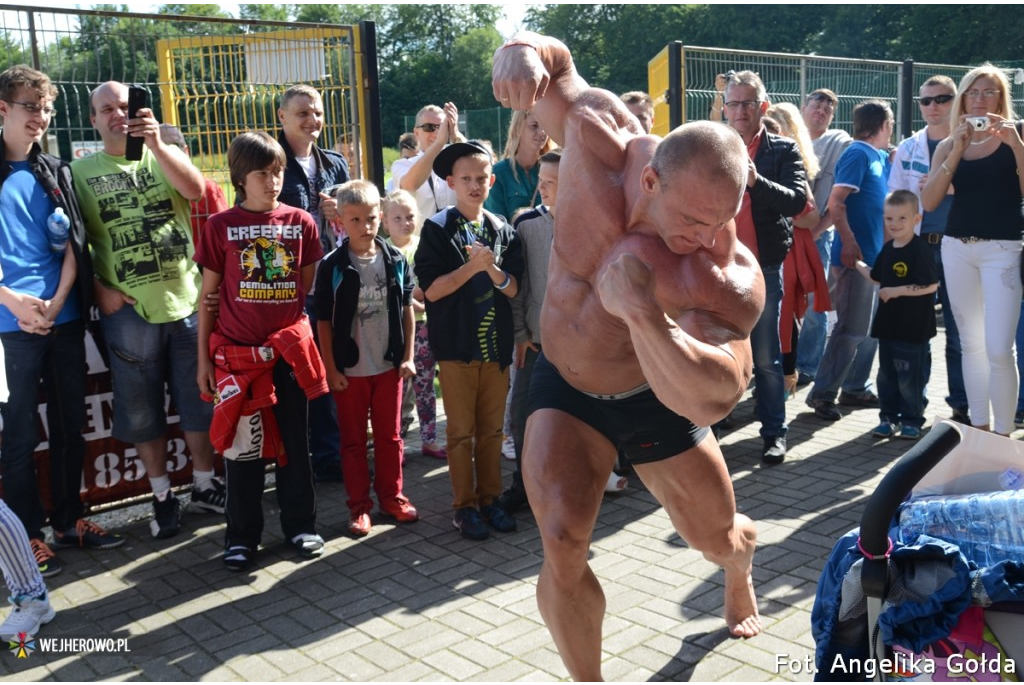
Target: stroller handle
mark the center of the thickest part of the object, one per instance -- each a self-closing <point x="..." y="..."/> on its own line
<point x="890" y="493"/>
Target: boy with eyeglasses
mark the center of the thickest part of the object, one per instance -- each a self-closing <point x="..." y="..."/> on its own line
<point x="910" y="169"/>
<point x="435" y="128"/>
<point x="45" y="290"/>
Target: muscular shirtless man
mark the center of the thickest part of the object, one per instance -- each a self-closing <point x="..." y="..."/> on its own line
<point x="650" y="303"/>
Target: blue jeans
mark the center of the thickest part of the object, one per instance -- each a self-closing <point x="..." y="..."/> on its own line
<point x="854" y="298"/>
<point x="1020" y="357"/>
<point x="770" y="403"/>
<point x="811" y="344"/>
<point x="143" y="357"/>
<point x="57" y="358"/>
<point x="901" y="380"/>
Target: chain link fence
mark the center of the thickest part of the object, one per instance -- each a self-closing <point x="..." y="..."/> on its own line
<point x="685" y="92"/>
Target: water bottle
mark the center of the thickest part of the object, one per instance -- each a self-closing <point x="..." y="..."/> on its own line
<point x="988" y="527"/>
<point x="57" y="227"/>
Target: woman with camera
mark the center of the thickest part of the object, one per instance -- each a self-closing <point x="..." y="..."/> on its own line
<point x="980" y="164"/>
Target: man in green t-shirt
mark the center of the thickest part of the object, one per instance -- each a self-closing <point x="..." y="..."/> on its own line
<point x="147" y="289"/>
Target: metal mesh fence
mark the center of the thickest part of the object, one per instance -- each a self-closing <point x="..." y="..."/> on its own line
<point x="212" y="78"/>
<point x="790" y="77"/>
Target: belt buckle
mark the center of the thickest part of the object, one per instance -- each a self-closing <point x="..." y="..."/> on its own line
<point x="933" y="238"/>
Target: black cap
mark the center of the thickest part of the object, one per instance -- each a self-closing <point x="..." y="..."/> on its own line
<point x="446" y="160"/>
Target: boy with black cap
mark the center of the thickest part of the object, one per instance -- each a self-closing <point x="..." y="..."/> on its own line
<point x="468" y="264"/>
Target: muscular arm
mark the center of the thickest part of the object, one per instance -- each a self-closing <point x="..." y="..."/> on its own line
<point x="536" y="72"/>
<point x="699" y="365"/>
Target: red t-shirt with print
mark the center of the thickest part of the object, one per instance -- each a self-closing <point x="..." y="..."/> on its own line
<point x="260" y="256"/>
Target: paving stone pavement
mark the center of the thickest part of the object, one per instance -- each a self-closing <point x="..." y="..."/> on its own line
<point x="417" y="602"/>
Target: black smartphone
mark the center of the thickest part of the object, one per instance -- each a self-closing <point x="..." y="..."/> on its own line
<point x="137" y="97"/>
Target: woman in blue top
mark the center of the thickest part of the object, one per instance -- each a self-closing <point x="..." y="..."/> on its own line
<point x="980" y="164"/>
<point x="515" y="176"/>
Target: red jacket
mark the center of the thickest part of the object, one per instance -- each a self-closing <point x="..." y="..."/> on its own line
<point x="245" y="382"/>
<point x="802" y="274"/>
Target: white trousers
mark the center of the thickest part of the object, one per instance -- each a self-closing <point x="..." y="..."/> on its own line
<point x="984" y="283"/>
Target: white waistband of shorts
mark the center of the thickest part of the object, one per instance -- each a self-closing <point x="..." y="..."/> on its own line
<point x="619" y="395"/>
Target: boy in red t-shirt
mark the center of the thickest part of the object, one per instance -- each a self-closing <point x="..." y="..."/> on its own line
<point x="261" y="255"/>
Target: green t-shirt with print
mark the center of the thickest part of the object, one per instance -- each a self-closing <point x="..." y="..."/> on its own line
<point x="139" y="232"/>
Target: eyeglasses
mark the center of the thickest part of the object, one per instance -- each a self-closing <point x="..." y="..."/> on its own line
<point x="823" y="101"/>
<point x="742" y="104"/>
<point x="429" y="128"/>
<point x="33" y="108"/>
<point x="927" y="100"/>
<point x="974" y="93"/>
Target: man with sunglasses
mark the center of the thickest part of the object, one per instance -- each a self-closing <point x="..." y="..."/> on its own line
<point x="45" y="295"/>
<point x="435" y="128"/>
<point x="818" y="110"/>
<point x="910" y="169"/>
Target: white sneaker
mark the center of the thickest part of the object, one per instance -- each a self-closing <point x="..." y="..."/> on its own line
<point x="616" y="483"/>
<point x="508" y="448"/>
<point x="28" y="615"/>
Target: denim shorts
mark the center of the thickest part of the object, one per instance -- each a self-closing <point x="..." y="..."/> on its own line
<point x="143" y="358"/>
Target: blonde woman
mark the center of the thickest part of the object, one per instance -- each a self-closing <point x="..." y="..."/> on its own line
<point x="802" y="270"/>
<point x="982" y="160"/>
<point x="515" y="176"/>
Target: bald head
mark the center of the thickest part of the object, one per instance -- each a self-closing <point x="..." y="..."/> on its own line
<point x="713" y="149"/>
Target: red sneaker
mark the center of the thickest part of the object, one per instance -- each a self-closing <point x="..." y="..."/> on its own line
<point x="400" y="510"/>
<point x="359" y="525"/>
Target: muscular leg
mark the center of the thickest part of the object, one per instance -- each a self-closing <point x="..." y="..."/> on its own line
<point x="565" y="466"/>
<point x="199" y="447"/>
<point x="153" y="454"/>
<point x="695" y="489"/>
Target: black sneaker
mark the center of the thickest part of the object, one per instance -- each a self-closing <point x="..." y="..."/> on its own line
<point x="308" y="545"/>
<point x="468" y="522"/>
<point x="87" y="534"/>
<point x="774" y="451"/>
<point x="238" y="558"/>
<point x="48" y="563"/>
<point x="804" y="379"/>
<point x="212" y="499"/>
<point x="166" y="521"/>
<point x="962" y="415"/>
<point x="858" y="399"/>
<point x="512" y="500"/>
<point x="498" y="518"/>
<point x="824" y="409"/>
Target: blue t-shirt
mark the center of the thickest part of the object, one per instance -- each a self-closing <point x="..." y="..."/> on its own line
<point x="865" y="169"/>
<point x="28" y="264"/>
<point x="935" y="221"/>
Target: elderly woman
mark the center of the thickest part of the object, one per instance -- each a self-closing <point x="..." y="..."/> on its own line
<point x="982" y="160"/>
<point x="515" y="176"/>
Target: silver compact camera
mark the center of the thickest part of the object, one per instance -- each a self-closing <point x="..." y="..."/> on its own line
<point x="978" y="123"/>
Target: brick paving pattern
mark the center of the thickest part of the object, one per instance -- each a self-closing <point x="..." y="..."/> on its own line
<point x="417" y="602"/>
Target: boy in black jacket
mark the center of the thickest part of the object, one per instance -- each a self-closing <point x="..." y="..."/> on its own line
<point x="469" y="263"/>
<point x="363" y="299"/>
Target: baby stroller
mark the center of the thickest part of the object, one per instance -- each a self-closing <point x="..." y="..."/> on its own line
<point x="899" y="604"/>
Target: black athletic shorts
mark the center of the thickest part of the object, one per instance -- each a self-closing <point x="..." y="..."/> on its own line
<point x="640" y="425"/>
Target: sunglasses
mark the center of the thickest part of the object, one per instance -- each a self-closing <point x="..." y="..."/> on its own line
<point x="939" y="99"/>
<point x="429" y="128"/>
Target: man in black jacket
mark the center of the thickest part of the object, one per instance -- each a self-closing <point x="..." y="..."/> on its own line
<point x="776" y="191"/>
<point x="45" y="295"/>
<point x="309" y="172"/>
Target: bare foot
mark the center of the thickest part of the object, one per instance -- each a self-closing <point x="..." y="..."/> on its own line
<point x="741" y="606"/>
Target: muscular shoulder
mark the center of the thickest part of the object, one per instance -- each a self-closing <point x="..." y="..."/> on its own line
<point x="600" y="123"/>
<point x="738" y="296"/>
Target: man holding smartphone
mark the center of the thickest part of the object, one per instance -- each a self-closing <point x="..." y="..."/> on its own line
<point x="147" y="290"/>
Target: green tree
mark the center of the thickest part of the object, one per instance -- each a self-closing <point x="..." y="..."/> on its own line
<point x="258" y="11"/>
